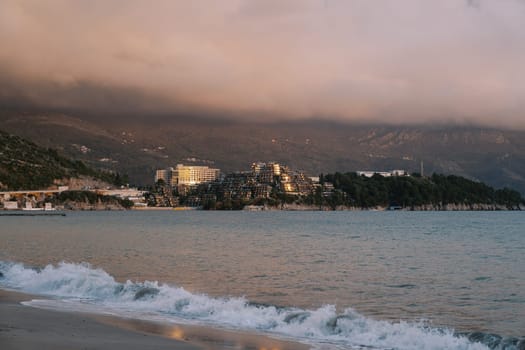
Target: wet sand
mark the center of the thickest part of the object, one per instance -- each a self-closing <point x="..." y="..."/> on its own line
<point x="28" y="328"/>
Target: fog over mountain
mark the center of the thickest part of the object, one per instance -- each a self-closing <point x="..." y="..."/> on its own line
<point x="387" y="62"/>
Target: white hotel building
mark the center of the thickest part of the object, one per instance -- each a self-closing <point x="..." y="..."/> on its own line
<point x="187" y="175"/>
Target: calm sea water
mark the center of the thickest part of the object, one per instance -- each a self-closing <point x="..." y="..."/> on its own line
<point x="461" y="271"/>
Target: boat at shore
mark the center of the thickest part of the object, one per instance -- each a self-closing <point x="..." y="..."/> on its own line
<point x="47" y="207"/>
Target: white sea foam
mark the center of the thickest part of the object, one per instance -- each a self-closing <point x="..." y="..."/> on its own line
<point x="98" y="290"/>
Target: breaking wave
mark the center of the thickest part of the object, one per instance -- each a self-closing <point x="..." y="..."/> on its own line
<point x="95" y="287"/>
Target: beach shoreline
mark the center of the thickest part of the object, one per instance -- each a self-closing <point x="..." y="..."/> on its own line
<point x="29" y="328"/>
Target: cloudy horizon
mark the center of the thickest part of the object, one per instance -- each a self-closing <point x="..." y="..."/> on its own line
<point x="359" y="61"/>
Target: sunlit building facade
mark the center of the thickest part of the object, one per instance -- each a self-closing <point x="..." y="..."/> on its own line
<point x="186" y="175"/>
<point x="265" y="172"/>
<point x="193" y="175"/>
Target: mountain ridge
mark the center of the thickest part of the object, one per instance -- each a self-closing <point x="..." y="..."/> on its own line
<point x="139" y="146"/>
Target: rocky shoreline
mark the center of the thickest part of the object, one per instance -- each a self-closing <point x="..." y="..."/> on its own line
<point x="427" y="207"/>
<point x="115" y="205"/>
<point x="99" y="205"/>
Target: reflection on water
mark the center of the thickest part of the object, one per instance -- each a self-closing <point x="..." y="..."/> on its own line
<point x="176" y="333"/>
<point x="206" y="338"/>
<point x="465" y="270"/>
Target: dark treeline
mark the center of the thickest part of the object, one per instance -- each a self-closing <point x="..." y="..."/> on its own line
<point x="413" y="191"/>
<point x="91" y="198"/>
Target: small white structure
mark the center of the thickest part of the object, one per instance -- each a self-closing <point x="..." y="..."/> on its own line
<point x="29" y="207"/>
<point x="132" y="194"/>
<point x="48" y="207"/>
<point x="372" y="173"/>
<point x="10" y="205"/>
<point x="396" y="172"/>
<point x="314" y="179"/>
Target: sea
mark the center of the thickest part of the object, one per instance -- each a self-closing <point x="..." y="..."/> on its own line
<point x="330" y="280"/>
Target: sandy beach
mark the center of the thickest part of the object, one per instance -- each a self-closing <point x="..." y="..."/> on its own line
<point x="27" y="328"/>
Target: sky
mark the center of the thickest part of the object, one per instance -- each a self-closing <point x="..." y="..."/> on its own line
<point x="386" y="61"/>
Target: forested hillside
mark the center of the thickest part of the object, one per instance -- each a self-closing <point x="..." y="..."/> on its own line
<point x="24" y="165"/>
<point x="416" y="191"/>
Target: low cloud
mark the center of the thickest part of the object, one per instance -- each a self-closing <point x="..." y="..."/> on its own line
<point x="353" y="60"/>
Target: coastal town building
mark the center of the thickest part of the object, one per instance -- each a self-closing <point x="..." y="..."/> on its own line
<point x="396" y="172"/>
<point x="133" y="194"/>
<point x="236" y="185"/>
<point x="193" y="175"/>
<point x="186" y="175"/>
<point x="265" y="183"/>
<point x="164" y="175"/>
<point x="11" y="205"/>
<point x="266" y="172"/>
